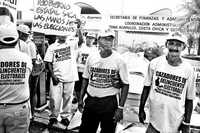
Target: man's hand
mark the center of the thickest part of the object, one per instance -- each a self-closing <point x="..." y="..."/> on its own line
<point x="55" y="80"/>
<point x="118" y="115"/>
<point x="184" y="128"/>
<point x="80" y="105"/>
<point x="142" y="115"/>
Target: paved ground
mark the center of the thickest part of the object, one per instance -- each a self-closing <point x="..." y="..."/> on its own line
<point x="39" y="125"/>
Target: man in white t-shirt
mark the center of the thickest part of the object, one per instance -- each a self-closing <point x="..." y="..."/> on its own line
<point x="104" y="77"/>
<point x="15" y="68"/>
<point x="25" y="45"/>
<point x="170" y="86"/>
<point x="83" y="52"/>
<point x="61" y="61"/>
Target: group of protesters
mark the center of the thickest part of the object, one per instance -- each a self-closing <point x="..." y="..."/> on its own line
<point x="98" y="76"/>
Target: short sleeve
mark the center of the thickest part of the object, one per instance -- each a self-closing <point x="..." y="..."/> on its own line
<point x="149" y="75"/>
<point x="190" y="93"/>
<point x="86" y="73"/>
<point x="123" y="72"/>
<point x="32" y="50"/>
<point x="49" y="55"/>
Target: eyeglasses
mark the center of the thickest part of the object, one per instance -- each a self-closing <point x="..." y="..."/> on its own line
<point x="175" y="43"/>
<point x="107" y="38"/>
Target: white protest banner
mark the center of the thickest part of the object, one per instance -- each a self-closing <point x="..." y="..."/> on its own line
<point x="55" y="17"/>
<point x="11" y="5"/>
<point x="158" y="24"/>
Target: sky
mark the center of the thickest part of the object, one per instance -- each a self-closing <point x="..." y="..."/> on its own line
<point x="129" y="7"/>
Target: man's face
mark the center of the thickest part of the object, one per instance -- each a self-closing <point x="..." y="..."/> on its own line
<point x="105" y="43"/>
<point x="175" y="48"/>
<point x="90" y="40"/>
<point x="23" y="36"/>
<point x="61" y="39"/>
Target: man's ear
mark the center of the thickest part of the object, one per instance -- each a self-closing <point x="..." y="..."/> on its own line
<point x="183" y="47"/>
<point x="166" y="44"/>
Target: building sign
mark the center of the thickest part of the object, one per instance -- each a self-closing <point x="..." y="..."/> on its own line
<point x="158" y="24"/>
<point x="11" y="5"/>
<point x="91" y="21"/>
<point x="55" y="17"/>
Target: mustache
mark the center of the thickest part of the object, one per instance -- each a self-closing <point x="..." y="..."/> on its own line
<point x="173" y="50"/>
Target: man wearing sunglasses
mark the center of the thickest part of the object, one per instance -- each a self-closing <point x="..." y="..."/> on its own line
<point x="170" y="86"/>
<point x="104" y="77"/>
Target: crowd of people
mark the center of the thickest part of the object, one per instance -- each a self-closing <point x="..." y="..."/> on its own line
<point x="97" y="76"/>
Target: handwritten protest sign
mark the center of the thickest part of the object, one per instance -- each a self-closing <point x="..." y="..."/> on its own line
<point x="55" y="17"/>
<point x="159" y="24"/>
<point x="11" y="5"/>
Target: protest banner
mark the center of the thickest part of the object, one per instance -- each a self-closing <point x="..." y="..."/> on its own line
<point x="139" y="23"/>
<point x="55" y="17"/>
<point x="11" y="5"/>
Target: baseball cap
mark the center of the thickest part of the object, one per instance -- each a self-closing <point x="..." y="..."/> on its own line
<point x="177" y="36"/>
<point x="23" y="28"/>
<point x="107" y="33"/>
<point x="5" y="15"/>
<point x="8" y="33"/>
<point x="91" y="35"/>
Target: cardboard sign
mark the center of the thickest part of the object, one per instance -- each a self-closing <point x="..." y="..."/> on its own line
<point x="155" y="24"/>
<point x="11" y="5"/>
<point x="55" y="17"/>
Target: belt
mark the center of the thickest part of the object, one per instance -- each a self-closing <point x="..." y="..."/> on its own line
<point x="99" y="98"/>
<point x="14" y="103"/>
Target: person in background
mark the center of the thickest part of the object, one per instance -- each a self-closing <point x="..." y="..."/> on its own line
<point x="83" y="52"/>
<point x="170" y="86"/>
<point x="15" y="68"/>
<point x="27" y="46"/>
<point x="104" y="77"/>
<point x="61" y="61"/>
<point x="151" y="53"/>
<point x="50" y="40"/>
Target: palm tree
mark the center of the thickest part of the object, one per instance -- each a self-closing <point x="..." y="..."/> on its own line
<point x="190" y="22"/>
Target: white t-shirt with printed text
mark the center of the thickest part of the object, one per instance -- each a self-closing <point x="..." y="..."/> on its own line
<point x="170" y="86"/>
<point x="83" y="52"/>
<point x="103" y="72"/>
<point x="63" y="58"/>
<point x="27" y="47"/>
<point x="15" y="68"/>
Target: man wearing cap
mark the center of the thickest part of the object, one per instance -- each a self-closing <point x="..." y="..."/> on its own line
<point x="83" y="52"/>
<point x="104" y="77"/>
<point x="15" y="68"/>
<point x="170" y="86"/>
<point x="61" y="61"/>
<point x="27" y="46"/>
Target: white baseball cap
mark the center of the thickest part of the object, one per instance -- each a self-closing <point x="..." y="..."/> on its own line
<point x="91" y="35"/>
<point x="23" y="28"/>
<point x="8" y="33"/>
<point x="177" y="36"/>
<point x="107" y="33"/>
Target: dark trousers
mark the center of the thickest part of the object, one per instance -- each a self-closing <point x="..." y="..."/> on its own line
<point x="77" y="86"/>
<point x="99" y="111"/>
<point x="33" y="82"/>
<point x="151" y="129"/>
